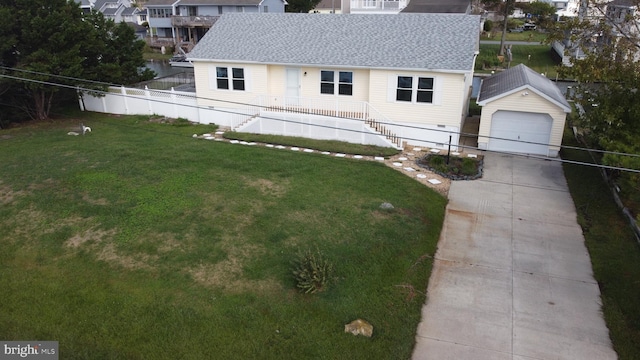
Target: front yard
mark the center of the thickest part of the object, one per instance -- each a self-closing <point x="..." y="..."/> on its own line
<point x="137" y="241"/>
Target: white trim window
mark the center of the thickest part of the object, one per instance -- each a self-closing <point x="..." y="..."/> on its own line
<point x="415" y="89"/>
<point x="225" y="82"/>
<point x="342" y="80"/>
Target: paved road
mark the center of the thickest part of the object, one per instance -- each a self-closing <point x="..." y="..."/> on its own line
<point x="512" y="277"/>
<point x="508" y="42"/>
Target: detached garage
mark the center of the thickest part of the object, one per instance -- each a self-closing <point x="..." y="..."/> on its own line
<point x="522" y="112"/>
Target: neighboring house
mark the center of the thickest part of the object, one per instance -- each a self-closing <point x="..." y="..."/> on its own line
<point x="111" y="9"/>
<point x="331" y="7"/>
<point x="522" y="112"/>
<point x="406" y="76"/>
<point x="438" y="6"/>
<point x="376" y="6"/>
<point x="621" y="15"/>
<point x="189" y="20"/>
<point x="565" y="8"/>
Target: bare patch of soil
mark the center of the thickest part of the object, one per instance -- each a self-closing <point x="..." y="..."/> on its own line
<point x="8" y="195"/>
<point x="268" y="187"/>
<point x="110" y="254"/>
<point x="89" y="236"/>
<point x="228" y="274"/>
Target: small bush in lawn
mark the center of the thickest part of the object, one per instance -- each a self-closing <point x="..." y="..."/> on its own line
<point x="312" y="272"/>
<point x="469" y="166"/>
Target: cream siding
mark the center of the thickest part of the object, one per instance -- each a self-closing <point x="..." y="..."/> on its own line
<point x="531" y="102"/>
<point x="256" y="83"/>
<point x="449" y="98"/>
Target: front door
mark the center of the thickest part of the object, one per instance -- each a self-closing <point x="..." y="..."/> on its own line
<point x="292" y="93"/>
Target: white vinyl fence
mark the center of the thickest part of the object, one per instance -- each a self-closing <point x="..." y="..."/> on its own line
<point x="355" y="122"/>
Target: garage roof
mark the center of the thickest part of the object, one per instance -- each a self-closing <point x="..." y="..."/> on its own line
<point x="518" y="78"/>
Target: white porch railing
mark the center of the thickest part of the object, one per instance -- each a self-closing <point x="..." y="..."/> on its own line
<point x="352" y="110"/>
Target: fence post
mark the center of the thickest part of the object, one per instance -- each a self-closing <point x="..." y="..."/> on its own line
<point x="147" y="94"/>
<point x="80" y="98"/>
<point x="123" y="91"/>
<point x="174" y="103"/>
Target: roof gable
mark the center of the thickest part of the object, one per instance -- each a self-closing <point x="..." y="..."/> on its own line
<point x="439" y="42"/>
<point x="516" y="79"/>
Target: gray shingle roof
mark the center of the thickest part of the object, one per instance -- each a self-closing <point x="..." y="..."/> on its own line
<point x="516" y="79"/>
<point x="404" y="41"/>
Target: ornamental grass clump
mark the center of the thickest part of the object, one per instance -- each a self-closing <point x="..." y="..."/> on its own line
<point x="312" y="272"/>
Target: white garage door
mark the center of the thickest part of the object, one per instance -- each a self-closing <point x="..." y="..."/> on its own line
<point x="520" y="132"/>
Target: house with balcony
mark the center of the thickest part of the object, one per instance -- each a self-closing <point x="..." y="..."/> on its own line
<point x="620" y="15"/>
<point x="389" y="80"/>
<point x="186" y="21"/>
<point x="111" y="9"/>
<point x="376" y="6"/>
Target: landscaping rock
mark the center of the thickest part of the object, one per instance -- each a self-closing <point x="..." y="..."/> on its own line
<point x="359" y="327"/>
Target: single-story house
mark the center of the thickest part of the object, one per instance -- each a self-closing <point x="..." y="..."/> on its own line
<point x="522" y="112"/>
<point x="403" y="78"/>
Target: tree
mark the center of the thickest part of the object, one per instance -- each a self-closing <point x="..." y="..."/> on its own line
<point x="504" y="8"/>
<point x="608" y="78"/>
<point x="542" y="11"/>
<point x="304" y="6"/>
<point x="44" y="39"/>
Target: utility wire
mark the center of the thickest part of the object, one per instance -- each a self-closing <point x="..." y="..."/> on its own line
<point x="309" y="113"/>
<point x="342" y="129"/>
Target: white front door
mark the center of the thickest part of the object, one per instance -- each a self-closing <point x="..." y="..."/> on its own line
<point x="292" y="93"/>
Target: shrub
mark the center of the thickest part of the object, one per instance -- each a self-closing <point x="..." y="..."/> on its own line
<point x="488" y="25"/>
<point x="469" y="166"/>
<point x="312" y="272"/>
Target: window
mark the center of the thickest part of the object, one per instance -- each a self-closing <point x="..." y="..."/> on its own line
<point x="266" y="9"/>
<point x="326" y="82"/>
<point x="222" y="78"/>
<point x="415" y="89"/>
<point x="237" y="78"/>
<point x="345" y="85"/>
<point x="425" y="90"/>
<point x="344" y="82"/>
<point x="160" y="13"/>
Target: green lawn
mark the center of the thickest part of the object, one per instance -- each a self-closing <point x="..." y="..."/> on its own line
<point x="138" y="241"/>
<point x="537" y="57"/>
<point x="531" y="36"/>
<point x="614" y="252"/>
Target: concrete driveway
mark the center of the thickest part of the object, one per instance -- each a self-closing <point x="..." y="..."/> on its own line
<point x="512" y="278"/>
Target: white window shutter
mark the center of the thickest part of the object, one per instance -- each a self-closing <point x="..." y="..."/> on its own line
<point x="438" y="89"/>
<point x="213" y="85"/>
<point x="247" y="80"/>
<point x="392" y="84"/>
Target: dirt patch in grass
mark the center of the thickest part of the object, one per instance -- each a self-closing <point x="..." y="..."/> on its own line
<point x="268" y="187"/>
<point x="89" y="236"/>
<point x="228" y="274"/>
<point x="110" y="254"/>
<point x="87" y="198"/>
<point x="8" y="195"/>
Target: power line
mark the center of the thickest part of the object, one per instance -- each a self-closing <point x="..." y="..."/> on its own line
<point x="77" y="88"/>
<point x="460" y="133"/>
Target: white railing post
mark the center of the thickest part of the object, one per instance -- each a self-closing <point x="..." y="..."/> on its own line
<point x="147" y="94"/>
<point x="80" y="95"/>
<point x="174" y="103"/>
<point x="123" y="91"/>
